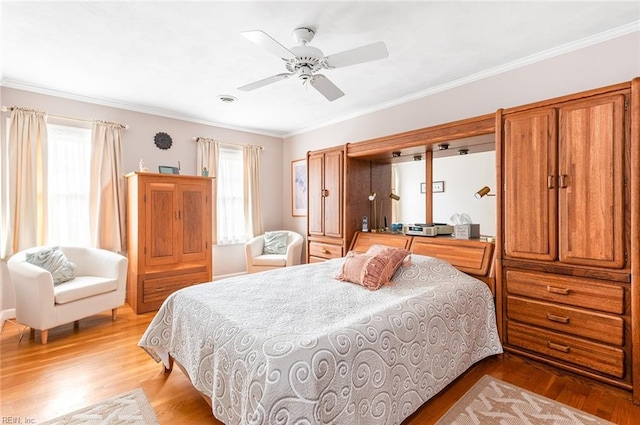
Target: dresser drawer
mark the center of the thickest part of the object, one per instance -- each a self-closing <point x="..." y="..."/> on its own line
<point x="325" y="250"/>
<point x="599" y="357"/>
<point x="602" y="327"/>
<point x="575" y="291"/>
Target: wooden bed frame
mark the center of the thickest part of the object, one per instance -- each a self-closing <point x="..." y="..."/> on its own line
<point x="474" y="257"/>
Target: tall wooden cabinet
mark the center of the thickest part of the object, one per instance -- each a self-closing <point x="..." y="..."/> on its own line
<point x="566" y="277"/>
<point x="325" y="177"/>
<point x="168" y="236"/>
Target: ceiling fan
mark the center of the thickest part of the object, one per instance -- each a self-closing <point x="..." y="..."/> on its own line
<point x="305" y="61"/>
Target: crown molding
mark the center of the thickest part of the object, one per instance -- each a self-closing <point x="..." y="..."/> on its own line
<point x="19" y="85"/>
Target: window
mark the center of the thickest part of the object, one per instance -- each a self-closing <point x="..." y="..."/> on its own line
<point x="68" y="171"/>
<point x="230" y="197"/>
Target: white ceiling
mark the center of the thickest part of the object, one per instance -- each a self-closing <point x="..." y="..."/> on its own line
<point x="175" y="58"/>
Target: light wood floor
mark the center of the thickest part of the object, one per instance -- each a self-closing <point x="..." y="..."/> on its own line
<point x="100" y="359"/>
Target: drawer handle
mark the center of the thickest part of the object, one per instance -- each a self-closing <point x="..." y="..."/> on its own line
<point x="558" y="347"/>
<point x="560" y="291"/>
<point x="559" y="319"/>
<point x="159" y="289"/>
<point x="325" y="251"/>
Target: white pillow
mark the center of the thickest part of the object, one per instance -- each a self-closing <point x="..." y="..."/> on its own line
<point x="54" y="261"/>
<point x="275" y="243"/>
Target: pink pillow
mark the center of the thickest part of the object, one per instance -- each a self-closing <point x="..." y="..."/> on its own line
<point x="396" y="257"/>
<point x="365" y="270"/>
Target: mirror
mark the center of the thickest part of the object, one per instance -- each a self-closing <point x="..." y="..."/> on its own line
<point x="458" y="171"/>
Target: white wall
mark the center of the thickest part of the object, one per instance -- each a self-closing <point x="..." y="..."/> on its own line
<point x="610" y="62"/>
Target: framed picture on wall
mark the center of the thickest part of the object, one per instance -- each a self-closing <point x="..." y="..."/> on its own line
<point x="299" y="188"/>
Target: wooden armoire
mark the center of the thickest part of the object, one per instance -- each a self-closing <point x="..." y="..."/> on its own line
<point x="569" y="179"/>
<point x="168" y="236"/>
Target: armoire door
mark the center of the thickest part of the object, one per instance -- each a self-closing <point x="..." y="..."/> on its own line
<point x="194" y="224"/>
<point x="160" y="224"/>
<point x="333" y="163"/>
<point x="591" y="178"/>
<point x="530" y="188"/>
<point x="315" y="211"/>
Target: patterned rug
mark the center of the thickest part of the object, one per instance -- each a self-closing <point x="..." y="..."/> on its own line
<point x="491" y="401"/>
<point x="131" y="408"/>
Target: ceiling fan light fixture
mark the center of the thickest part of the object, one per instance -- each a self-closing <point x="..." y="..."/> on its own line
<point x="305" y="61"/>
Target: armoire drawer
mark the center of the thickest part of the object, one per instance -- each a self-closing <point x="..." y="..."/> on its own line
<point x="599" y="357"/>
<point x="325" y="250"/>
<point x="579" y="292"/>
<point x="598" y="326"/>
<point x="157" y="289"/>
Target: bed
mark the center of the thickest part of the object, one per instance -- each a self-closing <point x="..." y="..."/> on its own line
<point x="296" y="345"/>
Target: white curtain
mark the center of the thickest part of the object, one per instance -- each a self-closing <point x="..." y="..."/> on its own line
<point x="252" y="206"/>
<point x="107" y="211"/>
<point x="208" y="152"/>
<point x="27" y="181"/>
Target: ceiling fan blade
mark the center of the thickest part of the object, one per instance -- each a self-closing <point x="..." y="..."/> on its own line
<point x="326" y="87"/>
<point x="264" y="82"/>
<point x="358" y="55"/>
<point x="264" y="40"/>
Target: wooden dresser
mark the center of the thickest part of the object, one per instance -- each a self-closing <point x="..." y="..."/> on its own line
<point x="565" y="201"/>
<point x="168" y="236"/>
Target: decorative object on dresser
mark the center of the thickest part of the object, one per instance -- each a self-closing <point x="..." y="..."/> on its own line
<point x="569" y="180"/>
<point x="168" y="236"/>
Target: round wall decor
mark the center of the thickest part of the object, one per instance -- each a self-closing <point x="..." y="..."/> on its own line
<point x="162" y="140"/>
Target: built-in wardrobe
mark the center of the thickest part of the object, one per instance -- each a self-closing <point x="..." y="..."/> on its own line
<point x="568" y="221"/>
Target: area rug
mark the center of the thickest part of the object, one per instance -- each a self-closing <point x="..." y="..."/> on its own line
<point x="129" y="408"/>
<point x="492" y="401"/>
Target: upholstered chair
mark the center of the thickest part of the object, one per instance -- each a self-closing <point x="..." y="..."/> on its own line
<point x="99" y="284"/>
<point x="258" y="260"/>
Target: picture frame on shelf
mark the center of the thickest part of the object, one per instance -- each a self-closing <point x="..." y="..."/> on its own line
<point x="167" y="169"/>
<point x="299" y="188"/>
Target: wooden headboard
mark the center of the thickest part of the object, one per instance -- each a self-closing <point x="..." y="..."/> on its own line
<point x="472" y="256"/>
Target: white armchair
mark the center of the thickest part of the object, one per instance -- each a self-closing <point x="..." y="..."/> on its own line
<point x="257" y="261"/>
<point x="99" y="285"/>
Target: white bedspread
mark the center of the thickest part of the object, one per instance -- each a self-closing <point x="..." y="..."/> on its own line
<point x="295" y="345"/>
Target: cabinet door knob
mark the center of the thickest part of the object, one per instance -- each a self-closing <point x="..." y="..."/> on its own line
<point x="551" y="181"/>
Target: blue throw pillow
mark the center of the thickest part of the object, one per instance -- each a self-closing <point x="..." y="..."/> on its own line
<point x="275" y="243"/>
